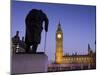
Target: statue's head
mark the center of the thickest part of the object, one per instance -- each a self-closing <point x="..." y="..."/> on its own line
<point x="35" y="10"/>
<point x="17" y="32"/>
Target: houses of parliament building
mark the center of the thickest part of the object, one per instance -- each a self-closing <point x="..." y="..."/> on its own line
<point x="70" y="62"/>
<point x="89" y="58"/>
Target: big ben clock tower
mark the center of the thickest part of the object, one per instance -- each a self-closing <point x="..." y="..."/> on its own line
<point x="59" y="45"/>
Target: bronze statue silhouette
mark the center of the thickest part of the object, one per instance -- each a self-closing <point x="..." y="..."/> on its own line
<point x="34" y="26"/>
<point x="15" y="41"/>
<point x="16" y="38"/>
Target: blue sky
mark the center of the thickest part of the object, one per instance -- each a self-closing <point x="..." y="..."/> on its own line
<point x="77" y="21"/>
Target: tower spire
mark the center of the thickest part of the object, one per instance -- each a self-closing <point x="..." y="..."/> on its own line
<point x="89" y="49"/>
<point x="59" y="27"/>
<point x="59" y="23"/>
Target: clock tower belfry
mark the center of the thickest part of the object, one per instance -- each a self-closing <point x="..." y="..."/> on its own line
<point x="59" y="45"/>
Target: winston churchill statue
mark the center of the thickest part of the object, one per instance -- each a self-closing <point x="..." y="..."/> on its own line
<point x="34" y="26"/>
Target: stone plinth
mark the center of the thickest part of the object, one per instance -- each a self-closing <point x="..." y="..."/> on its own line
<point x="29" y="63"/>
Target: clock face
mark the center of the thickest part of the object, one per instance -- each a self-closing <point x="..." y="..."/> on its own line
<point x="59" y="36"/>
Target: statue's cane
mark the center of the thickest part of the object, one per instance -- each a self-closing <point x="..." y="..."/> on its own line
<point x="45" y="42"/>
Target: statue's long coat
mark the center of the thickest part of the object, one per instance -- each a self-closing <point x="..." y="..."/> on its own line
<point x="34" y="21"/>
